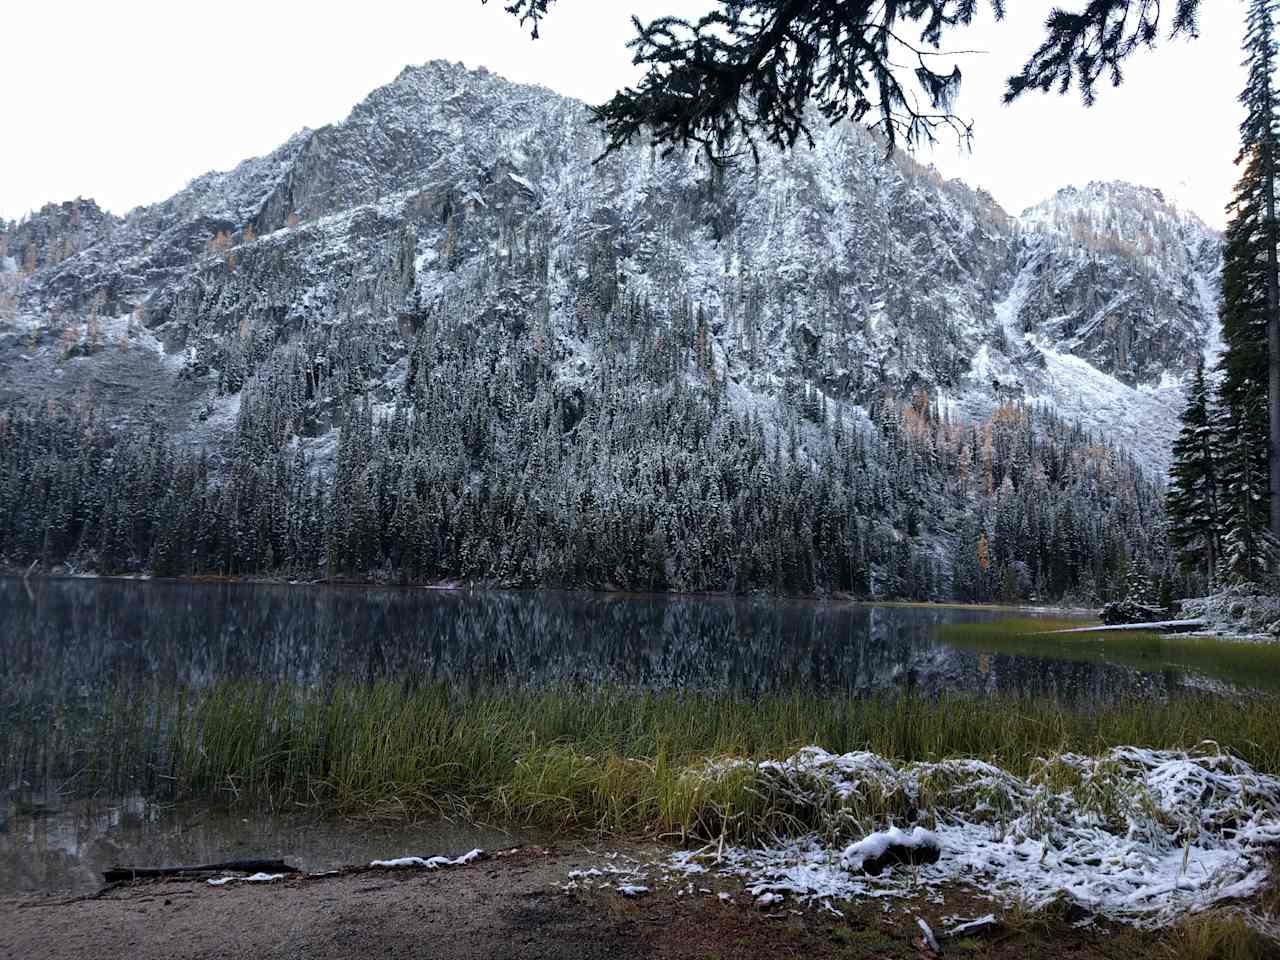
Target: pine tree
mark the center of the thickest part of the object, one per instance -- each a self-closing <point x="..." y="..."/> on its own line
<point x="1250" y="385"/>
<point x="1247" y="544"/>
<point x="1251" y="283"/>
<point x="1192" y="502"/>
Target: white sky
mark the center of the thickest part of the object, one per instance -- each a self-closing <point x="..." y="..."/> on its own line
<point x="127" y="101"/>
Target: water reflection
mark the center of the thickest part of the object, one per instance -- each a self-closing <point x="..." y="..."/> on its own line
<point x="65" y="639"/>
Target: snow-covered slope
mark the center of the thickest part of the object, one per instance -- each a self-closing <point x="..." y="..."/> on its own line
<point x="457" y="197"/>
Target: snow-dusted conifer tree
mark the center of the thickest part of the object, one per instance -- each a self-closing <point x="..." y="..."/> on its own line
<point x="1195" y="516"/>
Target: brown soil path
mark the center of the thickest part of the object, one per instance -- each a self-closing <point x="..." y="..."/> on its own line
<point x="506" y="907"/>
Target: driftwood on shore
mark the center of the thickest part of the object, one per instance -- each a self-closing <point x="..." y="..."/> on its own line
<point x="120" y="874"/>
<point x="1162" y="626"/>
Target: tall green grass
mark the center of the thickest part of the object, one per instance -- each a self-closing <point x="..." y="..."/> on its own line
<point x="563" y="757"/>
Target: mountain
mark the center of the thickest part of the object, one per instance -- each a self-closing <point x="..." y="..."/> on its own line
<point x="853" y="273"/>
<point x="454" y="205"/>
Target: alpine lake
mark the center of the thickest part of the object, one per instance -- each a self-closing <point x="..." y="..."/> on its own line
<point x="146" y="722"/>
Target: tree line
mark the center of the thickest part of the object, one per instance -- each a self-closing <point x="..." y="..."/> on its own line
<point x="1223" y="503"/>
<point x="480" y="462"/>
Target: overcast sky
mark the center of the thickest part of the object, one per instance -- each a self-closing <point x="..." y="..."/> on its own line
<point x="127" y="101"/>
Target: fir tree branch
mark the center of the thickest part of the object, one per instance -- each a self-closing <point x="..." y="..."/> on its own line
<point x="1083" y="46"/>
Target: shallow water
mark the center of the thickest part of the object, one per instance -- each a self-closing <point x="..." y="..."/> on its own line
<point x="67" y="850"/>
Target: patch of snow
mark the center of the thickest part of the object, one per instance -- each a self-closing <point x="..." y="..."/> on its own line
<point x="1143" y="420"/>
<point x="1213" y="342"/>
<point x="1241" y="612"/>
<point x="430" y="863"/>
<point x="521" y="182"/>
<point x="964" y="926"/>
<point x="876" y="845"/>
<point x="1134" y="835"/>
<point x="255" y="878"/>
<point x="927" y="932"/>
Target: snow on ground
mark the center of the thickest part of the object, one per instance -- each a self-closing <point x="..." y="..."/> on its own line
<point x="1143" y="420"/>
<point x="255" y="878"/>
<point x="1241" y="612"/>
<point x="1135" y="835"/>
<point x="430" y="863"/>
<point x="1213" y="342"/>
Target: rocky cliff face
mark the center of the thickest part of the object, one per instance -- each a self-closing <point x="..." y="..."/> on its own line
<point x="455" y="197"/>
<point x="1120" y="278"/>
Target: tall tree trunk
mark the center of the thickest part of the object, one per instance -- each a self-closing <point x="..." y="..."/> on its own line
<point x="1273" y="338"/>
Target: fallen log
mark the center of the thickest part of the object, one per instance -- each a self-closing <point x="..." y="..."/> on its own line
<point x="122" y="874"/>
<point x="1162" y="626"/>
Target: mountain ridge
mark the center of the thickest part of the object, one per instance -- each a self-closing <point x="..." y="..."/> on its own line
<point x="441" y="144"/>
<point x="438" y="341"/>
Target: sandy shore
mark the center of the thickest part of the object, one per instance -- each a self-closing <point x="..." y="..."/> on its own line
<point x="511" y="905"/>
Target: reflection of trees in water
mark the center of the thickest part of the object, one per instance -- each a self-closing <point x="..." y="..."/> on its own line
<point x="64" y="637"/>
<point x="1065" y="680"/>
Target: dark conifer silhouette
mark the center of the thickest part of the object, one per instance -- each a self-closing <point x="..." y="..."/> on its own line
<point x="752" y="69"/>
<point x="1193" y="501"/>
<point x="1250" y="387"/>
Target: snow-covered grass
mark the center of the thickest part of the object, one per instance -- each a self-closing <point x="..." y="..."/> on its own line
<point x="1131" y="834"/>
<point x="1124" y="809"/>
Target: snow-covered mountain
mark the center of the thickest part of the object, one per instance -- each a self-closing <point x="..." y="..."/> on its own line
<point x="456" y="197"/>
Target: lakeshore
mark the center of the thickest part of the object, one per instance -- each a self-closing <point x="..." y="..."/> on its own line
<point x="761" y="739"/>
<point x="516" y="904"/>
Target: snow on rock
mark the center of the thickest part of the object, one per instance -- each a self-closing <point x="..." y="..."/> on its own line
<point x="927" y="932"/>
<point x="1135" y="835"/>
<point x="885" y="847"/>
<point x="857" y="275"/>
<point x="430" y="863"/>
<point x="632" y="890"/>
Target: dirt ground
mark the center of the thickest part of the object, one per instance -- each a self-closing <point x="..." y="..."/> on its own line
<point x="511" y="905"/>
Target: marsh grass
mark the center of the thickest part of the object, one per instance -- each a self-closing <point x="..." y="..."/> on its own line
<point x="611" y="759"/>
<point x="1252" y="665"/>
<point x="1216" y="935"/>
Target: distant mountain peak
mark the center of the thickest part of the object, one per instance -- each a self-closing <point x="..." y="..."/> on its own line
<point x="455" y="196"/>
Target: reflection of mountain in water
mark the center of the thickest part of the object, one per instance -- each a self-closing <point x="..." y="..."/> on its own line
<point x="60" y="638"/>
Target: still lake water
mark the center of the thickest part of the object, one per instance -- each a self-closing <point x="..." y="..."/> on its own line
<point x="63" y="639"/>
<point x="65" y="642"/>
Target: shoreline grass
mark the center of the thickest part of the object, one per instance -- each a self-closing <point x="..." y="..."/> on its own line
<point x="608" y="759"/>
<point x="1254" y="666"/>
